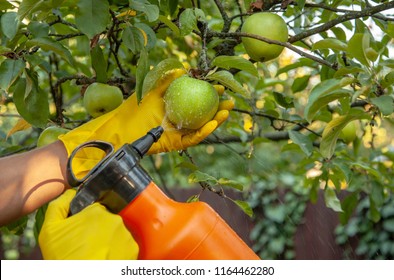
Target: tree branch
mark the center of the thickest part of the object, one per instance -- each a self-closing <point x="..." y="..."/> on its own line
<point x="348" y="16"/>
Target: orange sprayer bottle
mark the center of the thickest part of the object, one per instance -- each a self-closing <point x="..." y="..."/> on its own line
<point x="162" y="227"/>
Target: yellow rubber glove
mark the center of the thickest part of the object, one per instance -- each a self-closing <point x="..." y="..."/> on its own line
<point x="92" y="234"/>
<point x="131" y="121"/>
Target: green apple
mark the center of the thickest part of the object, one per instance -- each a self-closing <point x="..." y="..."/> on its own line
<point x="50" y="135"/>
<point x="190" y="103"/>
<point x="100" y="98"/>
<point x="268" y="25"/>
<point x="349" y="132"/>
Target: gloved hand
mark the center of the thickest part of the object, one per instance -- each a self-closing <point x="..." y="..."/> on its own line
<point x="131" y="121"/>
<point x="92" y="234"/>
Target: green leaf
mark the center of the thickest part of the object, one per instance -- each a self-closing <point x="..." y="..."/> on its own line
<point x="331" y="200"/>
<point x="154" y="76"/>
<point x="198" y="176"/>
<point x="10" y="70"/>
<point x="99" y="64"/>
<point x="142" y="70"/>
<point x="333" y="129"/>
<point x="133" y="39"/>
<point x="324" y="93"/>
<point x="330" y="43"/>
<point x="276" y="213"/>
<point x="27" y="7"/>
<point x="188" y="20"/>
<point x="39" y="220"/>
<point x="33" y="106"/>
<point x="348" y="205"/>
<point x="149" y="34"/>
<point x="303" y="141"/>
<point x="17" y="227"/>
<point x="388" y="225"/>
<point x="170" y="24"/>
<point x="245" y="207"/>
<point x="283" y="100"/>
<point x="38" y="29"/>
<point x="187" y="165"/>
<point x="151" y="11"/>
<point x="300" y="83"/>
<point x="227" y="62"/>
<point x="48" y="44"/>
<point x="385" y="103"/>
<point x="9" y="24"/>
<point x="357" y="46"/>
<point x="193" y="198"/>
<point x="231" y="183"/>
<point x="388" y="80"/>
<point x="227" y="79"/>
<point x="92" y="16"/>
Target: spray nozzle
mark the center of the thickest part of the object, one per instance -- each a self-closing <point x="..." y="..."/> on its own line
<point x="143" y="144"/>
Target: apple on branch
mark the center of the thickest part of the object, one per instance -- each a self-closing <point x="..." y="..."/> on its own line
<point x="100" y="98"/>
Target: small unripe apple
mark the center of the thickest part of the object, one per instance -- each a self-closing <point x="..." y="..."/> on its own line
<point x="50" y="135"/>
<point x="190" y="103"/>
<point x="100" y="98"/>
<point x="349" y="132"/>
<point x="268" y="25"/>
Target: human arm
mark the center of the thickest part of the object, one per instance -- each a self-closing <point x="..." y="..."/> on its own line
<point x="31" y="179"/>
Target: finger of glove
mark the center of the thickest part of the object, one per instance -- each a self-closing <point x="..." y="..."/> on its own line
<point x="221" y="117"/>
<point x="226" y="105"/>
<point x="199" y="135"/>
<point x="58" y="209"/>
<point x="219" y="89"/>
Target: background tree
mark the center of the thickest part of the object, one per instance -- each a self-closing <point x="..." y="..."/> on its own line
<point x="316" y="119"/>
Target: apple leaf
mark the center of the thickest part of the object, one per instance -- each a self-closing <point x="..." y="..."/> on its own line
<point x="230" y="183"/>
<point x="19" y="126"/>
<point x="31" y="103"/>
<point x="303" y="141"/>
<point x="9" y="24"/>
<point x="149" y="35"/>
<point x="333" y="129"/>
<point x="330" y="43"/>
<point x="142" y="70"/>
<point x="151" y="11"/>
<point x="99" y="64"/>
<point x="92" y="16"/>
<point x="10" y="70"/>
<point x="226" y="79"/>
<point x="227" y="62"/>
<point x="133" y="38"/>
<point x="357" y="46"/>
<point x="244" y="207"/>
<point x="388" y="80"/>
<point x="198" y="176"/>
<point x="385" y="103"/>
<point x="170" y="24"/>
<point x="48" y="44"/>
<point x="188" y="20"/>
<point x="158" y="72"/>
<point x="331" y="200"/>
<point x="324" y="93"/>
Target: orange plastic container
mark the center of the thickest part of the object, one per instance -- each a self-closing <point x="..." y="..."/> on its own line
<point x="169" y="230"/>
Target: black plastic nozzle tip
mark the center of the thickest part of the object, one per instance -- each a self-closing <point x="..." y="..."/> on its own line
<point x="143" y="144"/>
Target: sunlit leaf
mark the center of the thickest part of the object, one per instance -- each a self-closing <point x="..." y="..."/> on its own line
<point x="357" y="46"/>
<point x="245" y="207"/>
<point x="154" y="76"/>
<point x="151" y="11"/>
<point x="198" y="176"/>
<point x="170" y="24"/>
<point x="227" y="79"/>
<point x="330" y="43"/>
<point x="331" y="200"/>
<point x="333" y="129"/>
<point x="231" y="183"/>
<point x="19" y="126"/>
<point x="227" y="62"/>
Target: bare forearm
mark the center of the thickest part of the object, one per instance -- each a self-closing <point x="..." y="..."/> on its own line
<point x="30" y="180"/>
